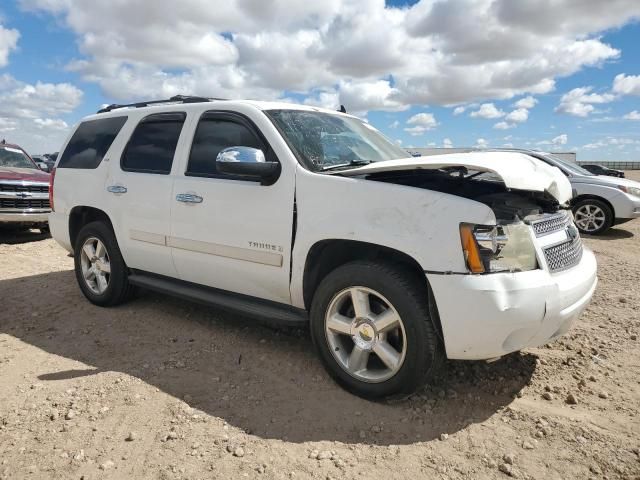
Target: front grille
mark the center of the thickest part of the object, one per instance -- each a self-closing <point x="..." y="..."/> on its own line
<point x="14" y="187"/>
<point x="563" y="255"/>
<point x="550" y="224"/>
<point x="24" y="203"/>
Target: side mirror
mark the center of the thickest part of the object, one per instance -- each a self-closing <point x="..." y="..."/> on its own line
<point x="246" y="162"/>
<point x="43" y="166"/>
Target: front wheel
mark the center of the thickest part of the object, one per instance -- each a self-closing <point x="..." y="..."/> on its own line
<point x="371" y="325"/>
<point x="592" y="216"/>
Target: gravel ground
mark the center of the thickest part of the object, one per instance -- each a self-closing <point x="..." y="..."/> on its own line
<point x="160" y="388"/>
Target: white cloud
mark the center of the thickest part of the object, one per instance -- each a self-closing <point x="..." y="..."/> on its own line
<point x="560" y="139"/>
<point x="423" y="122"/>
<point x="459" y="110"/>
<point x="394" y="124"/>
<point x="447" y="143"/>
<point x="8" y="42"/>
<point x="481" y="143"/>
<point x="526" y="102"/>
<point x="487" y="110"/>
<point x="519" y="115"/>
<point x="635" y="115"/>
<point x="28" y="112"/>
<point x="579" y="101"/>
<point x="626" y="85"/>
<point x="434" y="51"/>
<point x="503" y="125"/>
<point x="612" y="142"/>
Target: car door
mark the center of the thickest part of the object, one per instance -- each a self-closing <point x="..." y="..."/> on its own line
<point x="139" y="192"/>
<point x="229" y="232"/>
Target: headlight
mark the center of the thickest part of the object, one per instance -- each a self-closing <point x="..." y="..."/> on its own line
<point x="635" y="191"/>
<point x="501" y="248"/>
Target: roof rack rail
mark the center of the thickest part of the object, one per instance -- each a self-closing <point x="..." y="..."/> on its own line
<point x="174" y="99"/>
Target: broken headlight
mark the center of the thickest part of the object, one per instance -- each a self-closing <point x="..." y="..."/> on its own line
<point x="498" y="248"/>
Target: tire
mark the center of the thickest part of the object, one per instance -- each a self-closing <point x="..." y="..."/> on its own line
<point x="118" y="289"/>
<point x="598" y="224"/>
<point x="415" y="340"/>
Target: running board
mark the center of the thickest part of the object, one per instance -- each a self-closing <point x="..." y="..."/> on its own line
<point x="264" y="310"/>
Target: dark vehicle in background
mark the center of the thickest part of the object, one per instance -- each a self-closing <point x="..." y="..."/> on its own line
<point x="602" y="170"/>
<point x="43" y="162"/>
<point x="24" y="190"/>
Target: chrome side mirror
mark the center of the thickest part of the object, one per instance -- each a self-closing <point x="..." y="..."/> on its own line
<point x="247" y="162"/>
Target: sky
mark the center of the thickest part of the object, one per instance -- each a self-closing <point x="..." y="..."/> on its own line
<point x="559" y="75"/>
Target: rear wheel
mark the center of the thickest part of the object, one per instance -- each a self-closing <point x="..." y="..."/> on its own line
<point x="100" y="269"/>
<point x="592" y="216"/>
<point x="371" y="325"/>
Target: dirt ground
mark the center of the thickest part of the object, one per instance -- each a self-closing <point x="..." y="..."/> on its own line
<point x="161" y="388"/>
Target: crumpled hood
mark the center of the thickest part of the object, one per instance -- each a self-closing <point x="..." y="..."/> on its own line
<point x="517" y="170"/>
<point x="23" y="174"/>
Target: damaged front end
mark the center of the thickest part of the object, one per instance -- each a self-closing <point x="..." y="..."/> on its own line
<point x="521" y="215"/>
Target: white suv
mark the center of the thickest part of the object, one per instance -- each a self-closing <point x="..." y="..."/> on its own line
<point x="301" y="215"/>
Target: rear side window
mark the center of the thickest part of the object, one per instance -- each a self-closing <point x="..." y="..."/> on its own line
<point x="153" y="144"/>
<point x="213" y="135"/>
<point x="90" y="142"/>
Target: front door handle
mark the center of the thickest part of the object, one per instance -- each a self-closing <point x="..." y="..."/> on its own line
<point x="189" y="198"/>
<point x="117" y="189"/>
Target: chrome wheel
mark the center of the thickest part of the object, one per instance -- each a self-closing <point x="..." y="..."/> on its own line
<point x="96" y="267"/>
<point x="589" y="218"/>
<point x="365" y="334"/>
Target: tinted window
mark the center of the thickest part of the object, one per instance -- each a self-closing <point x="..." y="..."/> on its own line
<point x="153" y="144"/>
<point x="90" y="142"/>
<point x="211" y="137"/>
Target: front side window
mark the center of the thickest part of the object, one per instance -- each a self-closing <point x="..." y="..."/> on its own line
<point x="14" y="157"/>
<point x="324" y="141"/>
<point x="153" y="144"/>
<point x="213" y="135"/>
<point x="90" y="143"/>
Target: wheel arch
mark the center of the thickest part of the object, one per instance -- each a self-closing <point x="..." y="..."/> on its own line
<point x="588" y="196"/>
<point x="80" y="216"/>
<point x="327" y="255"/>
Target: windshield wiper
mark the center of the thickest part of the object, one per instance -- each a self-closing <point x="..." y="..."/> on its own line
<point x="352" y="163"/>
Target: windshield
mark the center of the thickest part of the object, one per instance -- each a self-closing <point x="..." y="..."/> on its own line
<point x="324" y="140"/>
<point x="13" y="157"/>
<point x="569" y="166"/>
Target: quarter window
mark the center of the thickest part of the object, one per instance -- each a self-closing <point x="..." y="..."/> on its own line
<point x="212" y="136"/>
<point x="90" y="143"/>
<point x="153" y="144"/>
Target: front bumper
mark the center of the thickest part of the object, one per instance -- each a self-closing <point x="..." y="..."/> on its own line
<point x="487" y="316"/>
<point x="629" y="208"/>
<point x="24" y="217"/>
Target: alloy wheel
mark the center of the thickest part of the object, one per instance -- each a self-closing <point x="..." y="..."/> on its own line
<point x="589" y="218"/>
<point x="96" y="266"/>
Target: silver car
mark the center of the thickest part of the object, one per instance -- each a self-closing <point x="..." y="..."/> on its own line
<point x="599" y="201"/>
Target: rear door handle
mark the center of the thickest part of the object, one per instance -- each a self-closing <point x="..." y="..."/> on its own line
<point x="189" y="198"/>
<point x="117" y="189"/>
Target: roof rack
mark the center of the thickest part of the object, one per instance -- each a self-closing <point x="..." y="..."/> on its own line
<point x="174" y="99"/>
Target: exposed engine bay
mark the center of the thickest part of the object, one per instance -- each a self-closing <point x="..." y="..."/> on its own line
<point x="509" y="205"/>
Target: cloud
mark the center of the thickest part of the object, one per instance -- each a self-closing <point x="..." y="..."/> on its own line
<point x="28" y="112"/>
<point x="8" y="42"/>
<point x="487" y="110"/>
<point x="459" y="110"/>
<point x="481" y="143"/>
<point x="374" y="56"/>
<point x="621" y="143"/>
<point x="526" y="102"/>
<point x="519" y="115"/>
<point x="560" y="139"/>
<point x="626" y="85"/>
<point x="394" y="124"/>
<point x="503" y="125"/>
<point x="423" y="122"/>
<point x="579" y="101"/>
<point x="635" y="115"/>
<point x="447" y="143"/>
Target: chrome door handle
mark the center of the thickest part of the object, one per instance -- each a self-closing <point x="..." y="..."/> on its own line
<point x="189" y="198"/>
<point x="117" y="189"/>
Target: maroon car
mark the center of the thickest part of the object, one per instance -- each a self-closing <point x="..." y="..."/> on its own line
<point x="24" y="190"/>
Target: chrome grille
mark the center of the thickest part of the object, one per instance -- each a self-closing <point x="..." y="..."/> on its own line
<point x="563" y="255"/>
<point x="550" y="224"/>
<point x="24" y="203"/>
<point x="17" y="187"/>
